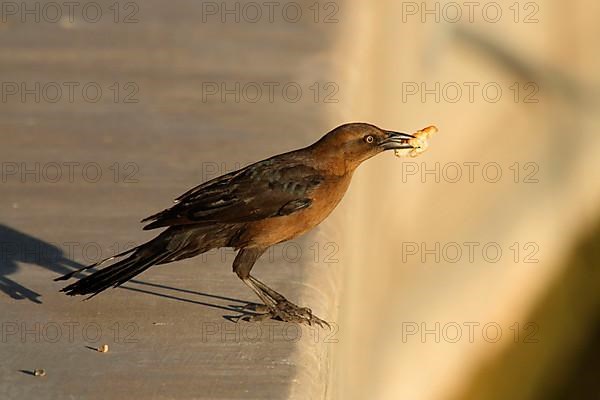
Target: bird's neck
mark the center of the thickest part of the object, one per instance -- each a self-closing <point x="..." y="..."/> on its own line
<point x="332" y="162"/>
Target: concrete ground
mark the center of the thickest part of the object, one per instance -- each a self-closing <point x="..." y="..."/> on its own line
<point x="78" y="175"/>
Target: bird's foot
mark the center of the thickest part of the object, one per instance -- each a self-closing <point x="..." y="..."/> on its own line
<point x="289" y="312"/>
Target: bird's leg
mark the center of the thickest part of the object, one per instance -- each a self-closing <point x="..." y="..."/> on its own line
<point x="267" y="301"/>
<point x="278" y="305"/>
<point x="276" y="296"/>
<point x="285" y="309"/>
<point x="243" y="263"/>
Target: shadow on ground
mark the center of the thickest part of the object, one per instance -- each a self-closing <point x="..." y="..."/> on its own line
<point x="20" y="248"/>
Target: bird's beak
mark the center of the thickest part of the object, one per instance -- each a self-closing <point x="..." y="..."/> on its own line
<point x="396" y="141"/>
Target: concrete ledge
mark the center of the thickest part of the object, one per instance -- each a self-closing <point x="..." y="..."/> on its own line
<point x="386" y="288"/>
<point x="166" y="330"/>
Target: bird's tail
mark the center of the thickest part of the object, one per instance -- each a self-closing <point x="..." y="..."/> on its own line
<point x="113" y="275"/>
<point x="175" y="243"/>
<point x="141" y="258"/>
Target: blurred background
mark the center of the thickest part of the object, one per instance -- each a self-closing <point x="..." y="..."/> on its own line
<point x="483" y="283"/>
<point x="470" y="272"/>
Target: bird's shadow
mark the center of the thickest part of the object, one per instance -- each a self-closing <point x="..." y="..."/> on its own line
<point x="18" y="249"/>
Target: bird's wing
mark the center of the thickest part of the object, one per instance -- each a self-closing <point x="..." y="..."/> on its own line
<point x="266" y="189"/>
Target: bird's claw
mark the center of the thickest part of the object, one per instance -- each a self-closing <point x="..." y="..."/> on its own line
<point x="289" y="312"/>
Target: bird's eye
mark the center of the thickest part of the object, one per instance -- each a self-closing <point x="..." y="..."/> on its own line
<point x="369" y="139"/>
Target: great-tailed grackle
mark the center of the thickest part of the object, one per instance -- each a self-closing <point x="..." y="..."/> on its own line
<point x="250" y="209"/>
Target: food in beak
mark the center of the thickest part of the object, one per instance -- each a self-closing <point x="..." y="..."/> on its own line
<point x="419" y="143"/>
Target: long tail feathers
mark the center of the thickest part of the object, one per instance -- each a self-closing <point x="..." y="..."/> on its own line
<point x="171" y="245"/>
<point x="113" y="275"/>
<point x="70" y="274"/>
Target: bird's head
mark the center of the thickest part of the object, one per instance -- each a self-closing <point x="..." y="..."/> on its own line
<point x="356" y="142"/>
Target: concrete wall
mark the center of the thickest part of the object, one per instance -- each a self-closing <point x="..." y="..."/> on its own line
<point x="395" y="290"/>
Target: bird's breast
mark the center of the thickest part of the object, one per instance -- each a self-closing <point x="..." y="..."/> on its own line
<point x="274" y="230"/>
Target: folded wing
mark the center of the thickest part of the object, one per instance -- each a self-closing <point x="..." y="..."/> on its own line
<point x="266" y="189"/>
